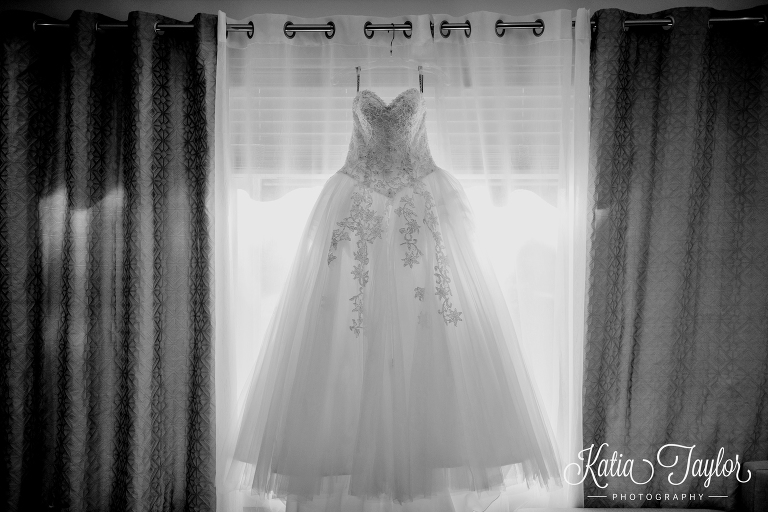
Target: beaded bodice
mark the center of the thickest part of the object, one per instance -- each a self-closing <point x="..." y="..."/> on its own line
<point x="389" y="147"/>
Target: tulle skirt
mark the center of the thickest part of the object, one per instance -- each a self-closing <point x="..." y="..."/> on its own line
<point x="390" y="377"/>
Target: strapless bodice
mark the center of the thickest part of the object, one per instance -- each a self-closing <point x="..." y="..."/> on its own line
<point x="389" y="147"/>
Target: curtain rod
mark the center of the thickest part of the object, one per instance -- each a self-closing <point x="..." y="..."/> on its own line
<point x="445" y="28"/>
<point x="160" y="28"/>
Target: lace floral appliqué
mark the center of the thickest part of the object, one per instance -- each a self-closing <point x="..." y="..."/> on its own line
<point x="412" y="251"/>
<point x="367" y="226"/>
<point x="442" y="277"/>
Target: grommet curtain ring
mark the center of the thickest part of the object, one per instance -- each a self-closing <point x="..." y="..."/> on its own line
<point x="289" y="29"/>
<point x="285" y="30"/>
<point x="248" y="28"/>
<point x="406" y="33"/>
<point x="467" y="31"/>
<point x="333" y="30"/>
<point x="496" y="29"/>
<point x="533" y="25"/>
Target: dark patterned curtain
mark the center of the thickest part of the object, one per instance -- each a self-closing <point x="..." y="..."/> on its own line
<point x="105" y="265"/>
<point x="677" y="341"/>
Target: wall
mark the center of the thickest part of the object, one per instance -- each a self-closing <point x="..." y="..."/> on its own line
<point x="237" y="9"/>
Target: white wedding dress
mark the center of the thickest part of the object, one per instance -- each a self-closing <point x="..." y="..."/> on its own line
<point x="390" y="378"/>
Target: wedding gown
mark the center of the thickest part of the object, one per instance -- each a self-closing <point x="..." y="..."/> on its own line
<point x="390" y="377"/>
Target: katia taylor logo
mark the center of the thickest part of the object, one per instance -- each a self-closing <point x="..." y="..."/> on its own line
<point x="596" y="465"/>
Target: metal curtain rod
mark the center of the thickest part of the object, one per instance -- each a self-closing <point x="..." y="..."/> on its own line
<point x="760" y="20"/>
<point x="669" y="21"/>
<point x="160" y="28"/>
<point x="445" y="28"/>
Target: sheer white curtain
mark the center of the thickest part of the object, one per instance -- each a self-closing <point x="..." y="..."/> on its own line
<point x="506" y="115"/>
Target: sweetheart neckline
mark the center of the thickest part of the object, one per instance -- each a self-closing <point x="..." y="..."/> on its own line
<point x="387" y="105"/>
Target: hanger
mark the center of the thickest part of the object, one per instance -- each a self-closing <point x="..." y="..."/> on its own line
<point x="421" y="79"/>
